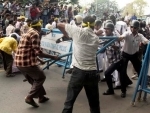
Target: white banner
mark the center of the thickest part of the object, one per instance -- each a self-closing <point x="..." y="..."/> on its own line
<point x="49" y="42"/>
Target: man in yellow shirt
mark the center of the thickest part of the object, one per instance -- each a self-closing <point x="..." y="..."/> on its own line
<point x="7" y="46"/>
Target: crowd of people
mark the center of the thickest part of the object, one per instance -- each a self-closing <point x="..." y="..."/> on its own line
<point x="20" y="43"/>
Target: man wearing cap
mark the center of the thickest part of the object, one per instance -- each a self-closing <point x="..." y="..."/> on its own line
<point x="77" y="20"/>
<point x="26" y="26"/>
<point x="27" y="62"/>
<point x="84" y="74"/>
<point x="54" y="23"/>
<point x="130" y="51"/>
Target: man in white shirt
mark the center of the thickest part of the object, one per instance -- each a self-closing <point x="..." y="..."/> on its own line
<point x="10" y="28"/>
<point x="130" y="52"/>
<point x="85" y="44"/>
<point x="54" y="24"/>
<point x="127" y="17"/>
<point x="121" y="26"/>
<point x="49" y="25"/>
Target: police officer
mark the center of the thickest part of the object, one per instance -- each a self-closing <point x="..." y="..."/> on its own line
<point x="130" y="52"/>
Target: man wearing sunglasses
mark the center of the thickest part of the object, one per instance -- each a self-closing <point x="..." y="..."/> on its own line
<point x="130" y="52"/>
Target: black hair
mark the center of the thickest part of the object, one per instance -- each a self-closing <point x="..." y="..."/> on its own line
<point x="11" y="21"/>
<point x="29" y="20"/>
<point x="17" y="30"/>
<point x="89" y="19"/>
<point x="14" y="36"/>
<point x="98" y="22"/>
<point x="34" y="22"/>
<point x="50" y="21"/>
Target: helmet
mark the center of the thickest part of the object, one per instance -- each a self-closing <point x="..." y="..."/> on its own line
<point x="98" y="22"/>
<point x="94" y="16"/>
<point x="110" y="21"/>
<point x="79" y="19"/>
<point x="109" y="25"/>
<point x="135" y="23"/>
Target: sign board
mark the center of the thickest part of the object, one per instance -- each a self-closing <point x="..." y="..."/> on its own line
<point x="49" y="42"/>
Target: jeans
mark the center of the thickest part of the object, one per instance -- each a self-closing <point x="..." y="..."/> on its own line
<point x="136" y="64"/>
<point x="45" y="20"/>
<point x="78" y="80"/>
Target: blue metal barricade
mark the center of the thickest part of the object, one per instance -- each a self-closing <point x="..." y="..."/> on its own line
<point x="68" y="56"/>
<point x="142" y="84"/>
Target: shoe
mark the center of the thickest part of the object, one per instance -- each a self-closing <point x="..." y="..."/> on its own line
<point x="100" y="71"/>
<point x="134" y="76"/>
<point x="10" y="75"/>
<point x="117" y="87"/>
<point x="108" y="92"/>
<point x="25" y="80"/>
<point x="103" y="80"/>
<point x="123" y="95"/>
<point x="44" y="99"/>
<point x="31" y="102"/>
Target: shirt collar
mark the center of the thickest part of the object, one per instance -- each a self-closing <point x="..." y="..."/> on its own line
<point x="133" y="35"/>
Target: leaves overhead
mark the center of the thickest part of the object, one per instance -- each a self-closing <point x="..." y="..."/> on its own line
<point x="137" y="7"/>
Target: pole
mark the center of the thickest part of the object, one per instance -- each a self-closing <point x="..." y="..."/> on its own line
<point x="96" y="6"/>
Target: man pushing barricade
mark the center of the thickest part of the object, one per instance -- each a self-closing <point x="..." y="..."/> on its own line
<point x="84" y="74"/>
<point x="27" y="62"/>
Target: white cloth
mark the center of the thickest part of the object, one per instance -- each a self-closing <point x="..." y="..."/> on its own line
<point x="85" y="44"/>
<point x="49" y="26"/>
<point x="131" y="45"/>
<point x="18" y="36"/>
<point x="54" y="25"/>
<point x="27" y="11"/>
<point x="127" y="18"/>
<point x="7" y="5"/>
<point x="18" y="24"/>
<point x="121" y="27"/>
<point x="72" y="22"/>
<point x="10" y="29"/>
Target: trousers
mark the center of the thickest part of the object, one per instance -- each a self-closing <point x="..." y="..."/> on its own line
<point x="136" y="62"/>
<point x="88" y="80"/>
<point x="36" y="77"/>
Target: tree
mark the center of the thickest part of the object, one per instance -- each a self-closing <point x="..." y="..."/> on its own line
<point x="105" y="7"/>
<point x="137" y="7"/>
<point x="69" y="1"/>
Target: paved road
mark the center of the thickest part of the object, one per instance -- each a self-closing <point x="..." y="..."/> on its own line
<point x="13" y="90"/>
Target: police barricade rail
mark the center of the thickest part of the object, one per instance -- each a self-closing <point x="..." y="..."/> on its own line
<point x="50" y="39"/>
<point x="63" y="49"/>
<point x="144" y="79"/>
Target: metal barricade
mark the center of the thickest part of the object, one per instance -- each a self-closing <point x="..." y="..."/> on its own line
<point x="143" y="80"/>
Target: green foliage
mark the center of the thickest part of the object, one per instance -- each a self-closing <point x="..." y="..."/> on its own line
<point x="106" y="6"/>
<point x="68" y="1"/>
<point x="137" y="7"/>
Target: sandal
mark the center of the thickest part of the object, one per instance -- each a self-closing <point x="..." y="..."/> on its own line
<point x="31" y="102"/>
<point x="44" y="99"/>
<point x="10" y="75"/>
